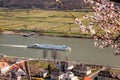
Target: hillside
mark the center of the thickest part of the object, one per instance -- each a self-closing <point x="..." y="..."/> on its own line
<point x="42" y="4"/>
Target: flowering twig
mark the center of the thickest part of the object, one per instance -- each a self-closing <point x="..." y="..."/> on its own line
<point x="107" y="15"/>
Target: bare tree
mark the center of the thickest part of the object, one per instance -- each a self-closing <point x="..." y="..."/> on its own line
<point x="45" y="53"/>
<point x="54" y="54"/>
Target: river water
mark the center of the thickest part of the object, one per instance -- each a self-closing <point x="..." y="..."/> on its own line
<point x="82" y="49"/>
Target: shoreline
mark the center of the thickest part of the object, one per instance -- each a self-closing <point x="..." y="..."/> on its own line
<point x="12" y="32"/>
<point x="47" y="60"/>
<point x="46" y="34"/>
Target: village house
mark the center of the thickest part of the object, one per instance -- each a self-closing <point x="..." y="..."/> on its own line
<point x="81" y="70"/>
<point x="11" y="72"/>
<point x="107" y="75"/>
<point x="4" y="66"/>
<point x="68" y="76"/>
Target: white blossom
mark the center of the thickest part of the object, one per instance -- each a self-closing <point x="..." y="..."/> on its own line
<point x="96" y="44"/>
<point x="107" y="17"/>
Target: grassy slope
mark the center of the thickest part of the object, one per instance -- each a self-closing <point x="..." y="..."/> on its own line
<point x="57" y="21"/>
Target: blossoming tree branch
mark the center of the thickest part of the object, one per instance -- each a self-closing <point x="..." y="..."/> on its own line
<point x="107" y="17"/>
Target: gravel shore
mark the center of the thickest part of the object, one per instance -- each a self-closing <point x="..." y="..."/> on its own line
<point x="11" y="32"/>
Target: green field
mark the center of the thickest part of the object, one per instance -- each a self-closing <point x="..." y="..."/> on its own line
<point x="37" y="20"/>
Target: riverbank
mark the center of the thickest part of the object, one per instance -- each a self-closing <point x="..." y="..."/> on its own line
<point x="34" y="66"/>
<point x="11" y="32"/>
<point x="85" y="36"/>
<point x="13" y="58"/>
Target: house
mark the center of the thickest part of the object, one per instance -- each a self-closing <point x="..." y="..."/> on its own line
<point x="17" y="70"/>
<point x="3" y="63"/>
<point x="106" y="75"/>
<point x="68" y="76"/>
<point x="4" y="66"/>
<point x="14" y="70"/>
<point x="81" y="70"/>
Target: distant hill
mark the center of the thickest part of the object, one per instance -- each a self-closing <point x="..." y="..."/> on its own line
<point x="42" y="4"/>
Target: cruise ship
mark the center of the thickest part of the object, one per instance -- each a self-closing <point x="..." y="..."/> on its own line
<point x="50" y="46"/>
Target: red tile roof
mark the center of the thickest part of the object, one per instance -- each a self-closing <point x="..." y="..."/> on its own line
<point x="3" y="63"/>
<point x="87" y="78"/>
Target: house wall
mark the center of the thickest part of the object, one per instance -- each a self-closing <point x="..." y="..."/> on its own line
<point x="88" y="72"/>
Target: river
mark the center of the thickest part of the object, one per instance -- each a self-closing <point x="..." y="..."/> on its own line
<point x="82" y="49"/>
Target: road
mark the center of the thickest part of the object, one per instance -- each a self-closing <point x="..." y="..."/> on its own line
<point x="95" y="73"/>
